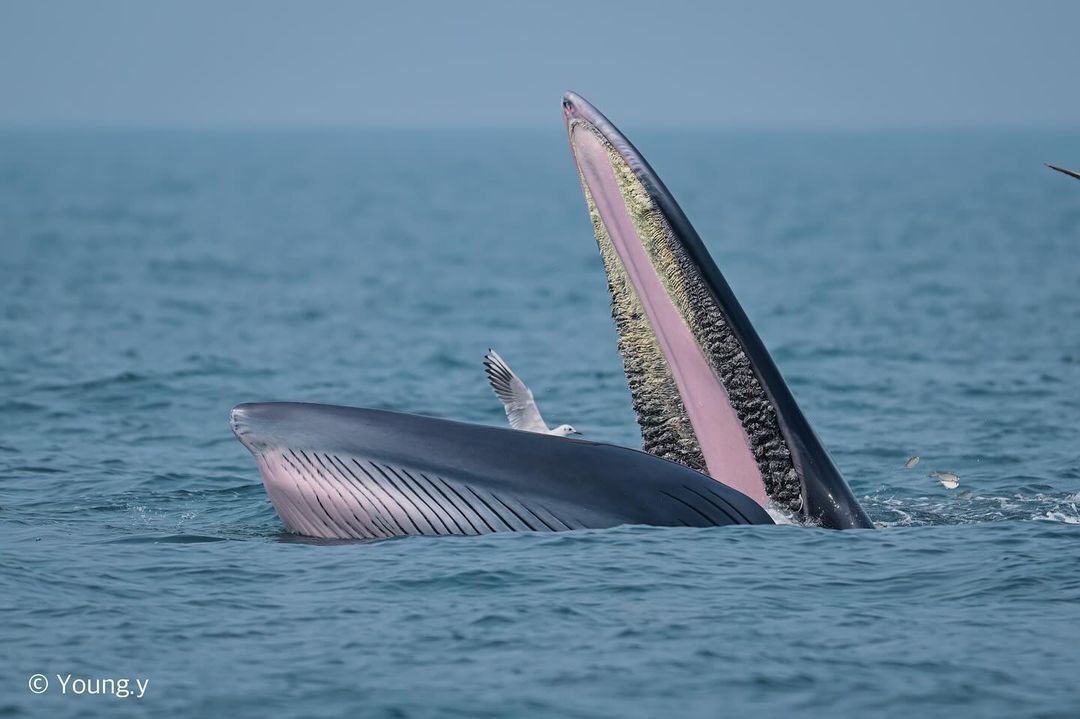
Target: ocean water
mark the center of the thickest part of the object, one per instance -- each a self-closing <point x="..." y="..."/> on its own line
<point x="920" y="291"/>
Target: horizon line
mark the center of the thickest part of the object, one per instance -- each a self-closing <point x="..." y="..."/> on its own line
<point x="227" y="127"/>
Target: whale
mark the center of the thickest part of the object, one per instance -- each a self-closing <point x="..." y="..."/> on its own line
<point x="348" y="472"/>
<point x="723" y="440"/>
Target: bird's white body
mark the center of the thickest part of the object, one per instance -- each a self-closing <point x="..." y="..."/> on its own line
<point x="517" y="398"/>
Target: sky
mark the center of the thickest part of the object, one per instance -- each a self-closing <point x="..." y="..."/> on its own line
<point x="271" y="63"/>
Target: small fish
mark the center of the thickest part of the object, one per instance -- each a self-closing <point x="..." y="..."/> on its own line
<point x="911" y="462"/>
<point x="966" y="494"/>
<point x="948" y="479"/>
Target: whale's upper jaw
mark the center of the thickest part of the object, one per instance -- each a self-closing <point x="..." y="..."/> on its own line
<point x="706" y="392"/>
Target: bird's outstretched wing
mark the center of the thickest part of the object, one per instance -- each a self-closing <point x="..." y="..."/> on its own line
<point x="518" y="400"/>
<point x="1064" y="171"/>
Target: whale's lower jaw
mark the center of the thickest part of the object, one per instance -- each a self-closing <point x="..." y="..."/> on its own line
<point x="706" y="392"/>
<point x="349" y="473"/>
<point x="332" y="495"/>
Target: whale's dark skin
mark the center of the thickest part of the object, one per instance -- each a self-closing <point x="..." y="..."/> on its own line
<point x="722" y="434"/>
<point x="346" y="472"/>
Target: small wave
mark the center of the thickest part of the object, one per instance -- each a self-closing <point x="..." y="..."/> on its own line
<point x="121" y="378"/>
<point x="168" y="539"/>
<point x="11" y="406"/>
<point x="966" y="508"/>
<point x="1060" y="517"/>
<point x="32" y="469"/>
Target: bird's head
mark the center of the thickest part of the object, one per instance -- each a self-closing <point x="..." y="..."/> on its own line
<point x="564" y="429"/>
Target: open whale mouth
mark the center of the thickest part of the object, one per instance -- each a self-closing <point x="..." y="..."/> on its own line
<point x="706" y="392"/>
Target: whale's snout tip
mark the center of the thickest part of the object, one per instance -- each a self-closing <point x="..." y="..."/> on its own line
<point x="257" y="424"/>
<point x="239" y="417"/>
<point x="568" y="104"/>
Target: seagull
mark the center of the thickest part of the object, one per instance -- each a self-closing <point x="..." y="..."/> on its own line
<point x="518" y="399"/>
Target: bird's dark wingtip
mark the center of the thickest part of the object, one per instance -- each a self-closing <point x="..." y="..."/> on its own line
<point x="1064" y="171"/>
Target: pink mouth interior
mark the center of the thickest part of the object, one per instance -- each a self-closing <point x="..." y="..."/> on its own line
<point x="723" y="441"/>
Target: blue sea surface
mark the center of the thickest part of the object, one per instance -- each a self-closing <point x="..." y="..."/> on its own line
<point x="919" y="290"/>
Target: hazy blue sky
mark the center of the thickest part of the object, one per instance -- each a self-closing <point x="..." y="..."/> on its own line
<point x="221" y="63"/>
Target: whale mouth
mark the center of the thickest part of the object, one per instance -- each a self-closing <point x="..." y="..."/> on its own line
<point x="704" y="389"/>
<point x="708" y="398"/>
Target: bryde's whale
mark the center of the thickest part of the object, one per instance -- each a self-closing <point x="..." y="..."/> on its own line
<point x="722" y="437"/>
